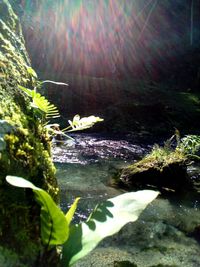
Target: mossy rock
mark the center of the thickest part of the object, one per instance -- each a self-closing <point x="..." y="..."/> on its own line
<point x="124" y="264"/>
<point x="24" y="146"/>
<point x="161" y="265"/>
<point x="164" y="169"/>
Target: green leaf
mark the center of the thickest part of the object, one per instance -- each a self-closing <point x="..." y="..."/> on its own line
<point x="41" y="103"/>
<point x="78" y="123"/>
<point x="54" y="225"/>
<point x="20" y="182"/>
<point x="44" y="105"/>
<point x="107" y="219"/>
<point x="71" y="211"/>
<point x="31" y="72"/>
<point x="29" y="92"/>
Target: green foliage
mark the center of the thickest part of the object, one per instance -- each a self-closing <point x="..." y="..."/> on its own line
<point x="31" y="72"/>
<point x="175" y="150"/>
<point x="107" y="219"/>
<point x="54" y="224"/>
<point x="24" y="148"/>
<point x="70" y="213"/>
<point x="159" y="158"/>
<point x="78" y="123"/>
<point x="41" y="103"/>
<point x="9" y="258"/>
<point x="173" y="141"/>
<point x="159" y="152"/>
<point x="190" y="145"/>
<point x="44" y="107"/>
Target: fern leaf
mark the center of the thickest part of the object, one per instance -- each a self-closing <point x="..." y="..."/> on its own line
<point x="41" y="103"/>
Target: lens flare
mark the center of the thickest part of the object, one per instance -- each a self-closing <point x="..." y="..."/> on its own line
<point x="102" y="37"/>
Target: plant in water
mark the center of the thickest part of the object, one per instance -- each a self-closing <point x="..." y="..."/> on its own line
<point x="79" y="239"/>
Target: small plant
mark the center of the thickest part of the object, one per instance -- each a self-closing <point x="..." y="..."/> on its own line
<point x="190" y="146"/>
<point x="45" y="110"/>
<point x="78" y="123"/>
<point x="160" y="152"/>
<point x="183" y="149"/>
<point x="43" y="106"/>
<point x="79" y="239"/>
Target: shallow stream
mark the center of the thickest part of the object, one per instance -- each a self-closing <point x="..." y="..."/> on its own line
<point x="166" y="234"/>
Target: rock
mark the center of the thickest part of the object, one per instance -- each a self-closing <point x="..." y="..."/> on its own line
<point x="124" y="264"/>
<point x="196" y="233"/>
<point x="163" y="169"/>
<point x="24" y="146"/>
<point x="107" y="257"/>
<point x="163" y="265"/>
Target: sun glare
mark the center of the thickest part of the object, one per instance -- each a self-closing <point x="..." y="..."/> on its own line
<point x="92" y="37"/>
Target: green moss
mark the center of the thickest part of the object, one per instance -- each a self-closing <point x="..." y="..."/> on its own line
<point x="159" y="158"/>
<point x="24" y="146"/>
<point x="8" y="14"/>
<point x="163" y="168"/>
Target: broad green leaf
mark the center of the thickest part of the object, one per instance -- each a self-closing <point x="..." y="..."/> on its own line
<point x="107" y="219"/>
<point x="71" y="211"/>
<point x="20" y="182"/>
<point x="54" y="225"/>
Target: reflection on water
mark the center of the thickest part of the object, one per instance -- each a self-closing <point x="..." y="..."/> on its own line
<point x="167" y="232"/>
<point x="87" y="149"/>
<point x="86" y="181"/>
<point x="85" y="167"/>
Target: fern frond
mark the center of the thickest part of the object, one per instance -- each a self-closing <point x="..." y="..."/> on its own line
<point x="41" y="103"/>
<point x="78" y="123"/>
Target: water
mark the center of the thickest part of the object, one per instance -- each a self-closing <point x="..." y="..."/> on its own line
<point x="167" y="232"/>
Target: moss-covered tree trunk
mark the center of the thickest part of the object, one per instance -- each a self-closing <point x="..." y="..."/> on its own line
<point x="24" y="150"/>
